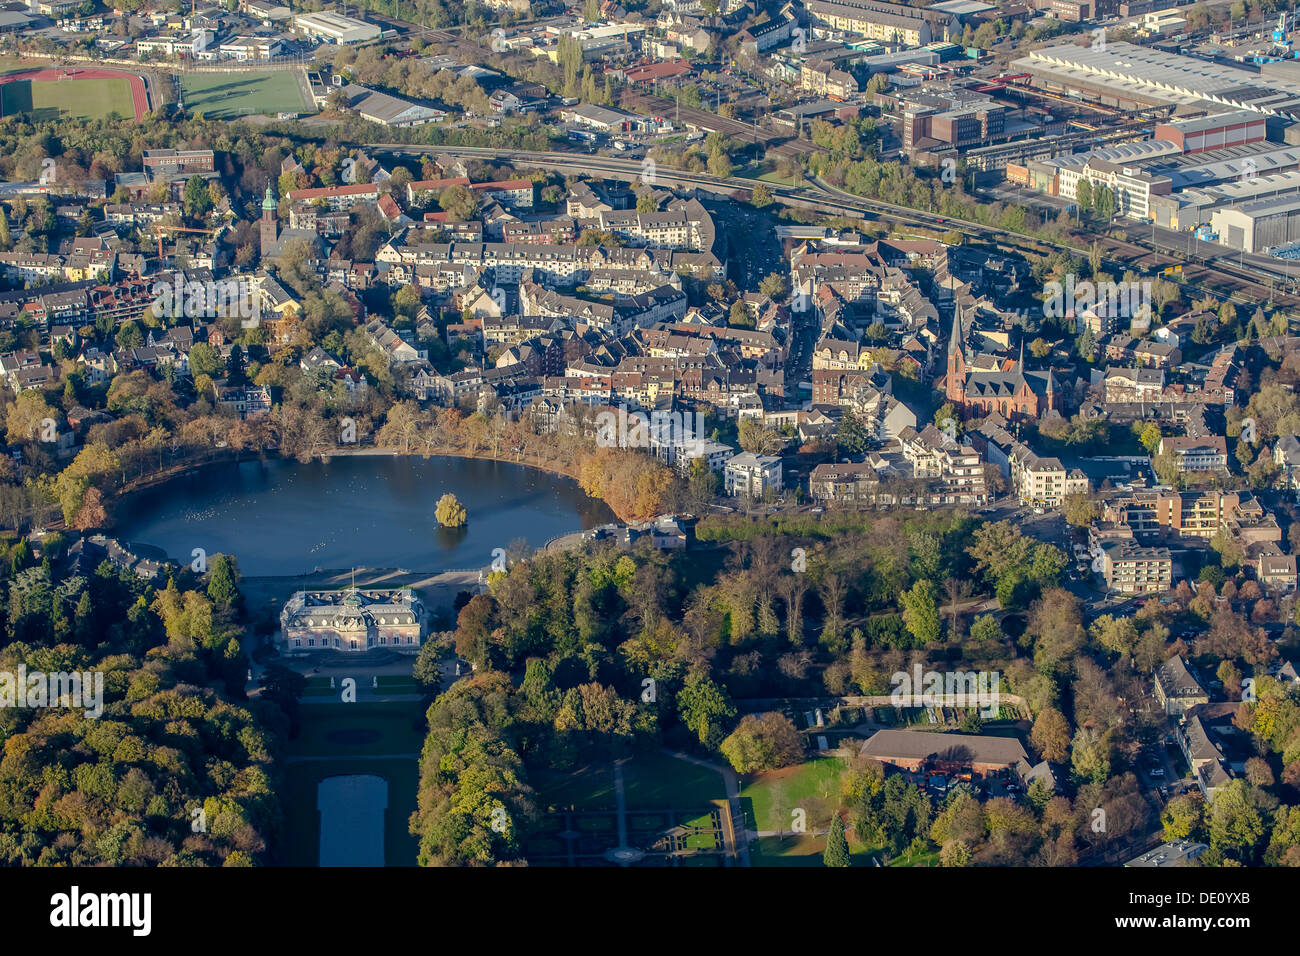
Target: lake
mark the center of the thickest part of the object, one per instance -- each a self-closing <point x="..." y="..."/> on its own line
<point x="284" y="517"/>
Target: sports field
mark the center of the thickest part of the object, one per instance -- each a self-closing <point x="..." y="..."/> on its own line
<point x="61" y="99"/>
<point x="228" y="95"/>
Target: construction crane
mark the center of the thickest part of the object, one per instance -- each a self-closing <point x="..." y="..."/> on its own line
<point x="161" y="228"/>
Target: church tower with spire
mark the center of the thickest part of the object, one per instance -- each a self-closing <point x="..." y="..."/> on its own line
<point x="955" y="379"/>
<point x="270" y="228"/>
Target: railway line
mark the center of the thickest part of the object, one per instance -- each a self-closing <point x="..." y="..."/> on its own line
<point x="1217" y="276"/>
<point x="773" y="142"/>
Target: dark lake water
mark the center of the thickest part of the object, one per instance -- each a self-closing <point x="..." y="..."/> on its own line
<point x="283" y="517"/>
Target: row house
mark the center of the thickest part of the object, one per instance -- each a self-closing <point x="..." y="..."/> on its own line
<point x="662" y="343"/>
<point x="565" y="265"/>
<point x="31" y="266"/>
<point x="629" y="281"/>
<point x="554" y="231"/>
<point x="683" y="225"/>
<point x="141" y="214"/>
<point x="764" y="347"/>
<point x="514" y="388"/>
<point x="840" y="386"/>
<point x="839" y="355"/>
<point x="1221" y="380"/>
<point x="514" y="329"/>
<point x="588" y="389"/>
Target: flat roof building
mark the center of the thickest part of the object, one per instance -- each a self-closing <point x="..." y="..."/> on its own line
<point x="1134" y="77"/>
<point x="1215" y="131"/>
<point x="330" y="27"/>
<point x="1260" y="226"/>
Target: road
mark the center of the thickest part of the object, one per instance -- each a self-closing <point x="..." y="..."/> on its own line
<point x="1249" y="277"/>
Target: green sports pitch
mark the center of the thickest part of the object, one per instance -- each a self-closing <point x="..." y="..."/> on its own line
<point x="54" y="99"/>
<point x="229" y="95"/>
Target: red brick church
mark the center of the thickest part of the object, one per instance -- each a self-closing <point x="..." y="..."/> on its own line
<point x="1013" y="393"/>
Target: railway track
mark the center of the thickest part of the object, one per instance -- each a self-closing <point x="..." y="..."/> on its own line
<point x="772" y="142"/>
<point x="1213" y="278"/>
<point x="1218" y="277"/>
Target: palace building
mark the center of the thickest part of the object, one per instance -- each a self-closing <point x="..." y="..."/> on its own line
<point x="1013" y="392"/>
<point x="353" y="620"/>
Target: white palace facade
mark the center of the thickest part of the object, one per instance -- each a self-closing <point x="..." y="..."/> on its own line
<point x="353" y="620"/>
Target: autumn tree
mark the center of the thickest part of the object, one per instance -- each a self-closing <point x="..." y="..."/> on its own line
<point x="450" y="512"/>
<point x="1051" y="735"/>
<point x="762" y="742"/>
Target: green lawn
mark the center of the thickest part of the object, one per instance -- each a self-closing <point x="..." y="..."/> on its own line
<point x="588" y="788"/>
<point x="228" y="95"/>
<point x="63" y="99"/>
<point x="656" y="781"/>
<point x="345" y="730"/>
<point x="769" y="799"/>
<point x="651" y="781"/>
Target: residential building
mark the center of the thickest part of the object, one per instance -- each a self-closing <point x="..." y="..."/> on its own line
<point x="1207" y="453"/>
<point x="1177" y="688"/>
<point x="752" y="476"/>
<point x="1131" y="569"/>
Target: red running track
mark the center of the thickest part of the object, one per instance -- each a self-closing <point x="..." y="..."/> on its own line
<point x="139" y="98"/>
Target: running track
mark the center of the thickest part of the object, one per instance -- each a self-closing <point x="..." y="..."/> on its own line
<point x="139" y="98"/>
